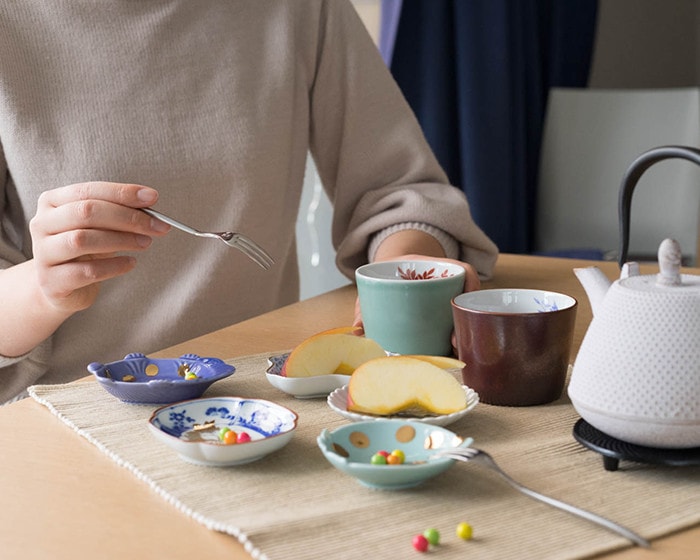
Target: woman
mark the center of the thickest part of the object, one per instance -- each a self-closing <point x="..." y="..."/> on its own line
<point x="205" y="110"/>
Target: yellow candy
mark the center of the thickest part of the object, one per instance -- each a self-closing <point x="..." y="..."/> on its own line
<point x="400" y="456"/>
<point x="464" y="531"/>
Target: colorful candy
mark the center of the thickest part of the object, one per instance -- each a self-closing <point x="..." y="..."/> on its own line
<point x="399" y="457"/>
<point x="464" y="531"/>
<point x="230" y="437"/>
<point x="432" y="536"/>
<point x="420" y="543"/>
<point x="378" y="459"/>
<point x="396" y="457"/>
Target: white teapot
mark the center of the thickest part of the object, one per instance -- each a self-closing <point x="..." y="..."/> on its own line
<point x="637" y="374"/>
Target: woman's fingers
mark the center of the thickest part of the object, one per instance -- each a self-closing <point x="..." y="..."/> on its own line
<point x="134" y="196"/>
<point x="72" y="245"/>
<point x="78" y="232"/>
<point x="94" y="214"/>
<point x="357" y="321"/>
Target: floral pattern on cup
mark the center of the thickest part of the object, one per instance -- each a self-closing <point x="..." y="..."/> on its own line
<point x="410" y="274"/>
<point x="544" y="306"/>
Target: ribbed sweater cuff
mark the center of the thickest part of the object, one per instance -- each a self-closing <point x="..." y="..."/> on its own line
<point x="449" y="243"/>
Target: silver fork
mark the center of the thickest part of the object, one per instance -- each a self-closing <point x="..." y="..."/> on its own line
<point x="467" y="454"/>
<point x="236" y="240"/>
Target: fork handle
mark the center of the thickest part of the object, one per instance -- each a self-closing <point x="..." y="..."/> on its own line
<point x="172" y="221"/>
<point x="619" y="529"/>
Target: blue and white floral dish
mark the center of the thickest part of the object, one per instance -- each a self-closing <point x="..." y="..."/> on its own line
<point x="302" y="387"/>
<point x="191" y="428"/>
<point x="338" y="401"/>
<point x="350" y="448"/>
<point x="141" y="380"/>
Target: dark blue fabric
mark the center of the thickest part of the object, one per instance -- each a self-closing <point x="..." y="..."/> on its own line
<point x="477" y="74"/>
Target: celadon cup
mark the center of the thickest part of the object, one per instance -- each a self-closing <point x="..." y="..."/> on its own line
<point x="405" y="304"/>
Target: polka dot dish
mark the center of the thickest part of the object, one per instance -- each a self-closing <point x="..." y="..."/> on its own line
<point x="141" y="380"/>
<point x="350" y="448"/>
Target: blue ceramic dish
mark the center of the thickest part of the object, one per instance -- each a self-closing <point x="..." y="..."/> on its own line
<point x="141" y="380"/>
<point x="351" y="447"/>
<point x="191" y="428"/>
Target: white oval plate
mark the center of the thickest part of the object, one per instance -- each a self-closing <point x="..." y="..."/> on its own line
<point x="338" y="401"/>
<point x="302" y="387"/>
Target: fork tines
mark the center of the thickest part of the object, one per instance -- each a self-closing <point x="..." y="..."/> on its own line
<point x="253" y="250"/>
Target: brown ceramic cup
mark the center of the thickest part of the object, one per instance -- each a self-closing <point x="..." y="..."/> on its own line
<point x="515" y="344"/>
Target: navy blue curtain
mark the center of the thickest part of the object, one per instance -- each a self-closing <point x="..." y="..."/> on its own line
<point x="477" y="74"/>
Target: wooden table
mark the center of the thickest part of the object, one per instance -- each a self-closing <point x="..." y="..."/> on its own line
<point x="63" y="498"/>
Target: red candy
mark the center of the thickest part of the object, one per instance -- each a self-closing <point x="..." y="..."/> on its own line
<point x="420" y="543"/>
<point x="243" y="437"/>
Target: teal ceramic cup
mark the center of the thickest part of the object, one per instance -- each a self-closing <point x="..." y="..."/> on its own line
<point x="406" y="305"/>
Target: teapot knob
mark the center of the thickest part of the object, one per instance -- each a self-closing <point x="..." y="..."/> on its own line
<point x="669" y="263"/>
<point x="629" y="269"/>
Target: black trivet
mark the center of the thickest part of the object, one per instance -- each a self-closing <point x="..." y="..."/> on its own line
<point x="613" y="450"/>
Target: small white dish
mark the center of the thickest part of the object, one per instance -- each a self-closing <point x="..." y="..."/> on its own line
<point x="302" y="387"/>
<point x="338" y="401"/>
<point x="191" y="427"/>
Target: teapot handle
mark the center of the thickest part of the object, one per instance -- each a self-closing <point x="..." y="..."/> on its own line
<point x="631" y="178"/>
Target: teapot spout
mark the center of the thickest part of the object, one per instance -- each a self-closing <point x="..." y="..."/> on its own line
<point x="595" y="283"/>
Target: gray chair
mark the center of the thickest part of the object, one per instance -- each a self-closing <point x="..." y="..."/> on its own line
<point x="590" y="139"/>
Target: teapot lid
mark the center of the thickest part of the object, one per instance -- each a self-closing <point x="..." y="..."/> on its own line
<point x="669" y="276"/>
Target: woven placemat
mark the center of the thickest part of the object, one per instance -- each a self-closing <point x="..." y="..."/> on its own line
<point x="294" y="504"/>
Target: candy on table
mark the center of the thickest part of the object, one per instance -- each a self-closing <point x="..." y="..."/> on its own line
<point x="464" y="531"/>
<point x="432" y="536"/>
<point x="420" y="543"/>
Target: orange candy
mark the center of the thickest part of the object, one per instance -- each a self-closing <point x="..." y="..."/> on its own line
<point x="230" y="437"/>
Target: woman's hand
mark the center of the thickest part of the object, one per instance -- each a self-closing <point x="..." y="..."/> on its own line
<point x="77" y="233"/>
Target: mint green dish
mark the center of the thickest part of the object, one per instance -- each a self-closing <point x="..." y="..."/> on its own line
<point x="351" y="447"/>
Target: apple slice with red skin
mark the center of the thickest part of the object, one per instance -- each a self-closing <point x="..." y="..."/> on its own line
<point x="393" y="384"/>
<point x="339" y="350"/>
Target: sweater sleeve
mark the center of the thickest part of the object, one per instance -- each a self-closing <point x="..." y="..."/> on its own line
<point x="448" y="243"/>
<point x="16" y="373"/>
<point x="371" y="153"/>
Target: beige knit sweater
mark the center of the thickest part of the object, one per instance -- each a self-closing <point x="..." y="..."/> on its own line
<point x="215" y="104"/>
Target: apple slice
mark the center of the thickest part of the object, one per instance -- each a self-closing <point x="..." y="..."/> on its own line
<point x="329" y="352"/>
<point x="443" y="362"/>
<point x="354" y="330"/>
<point x="393" y="384"/>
